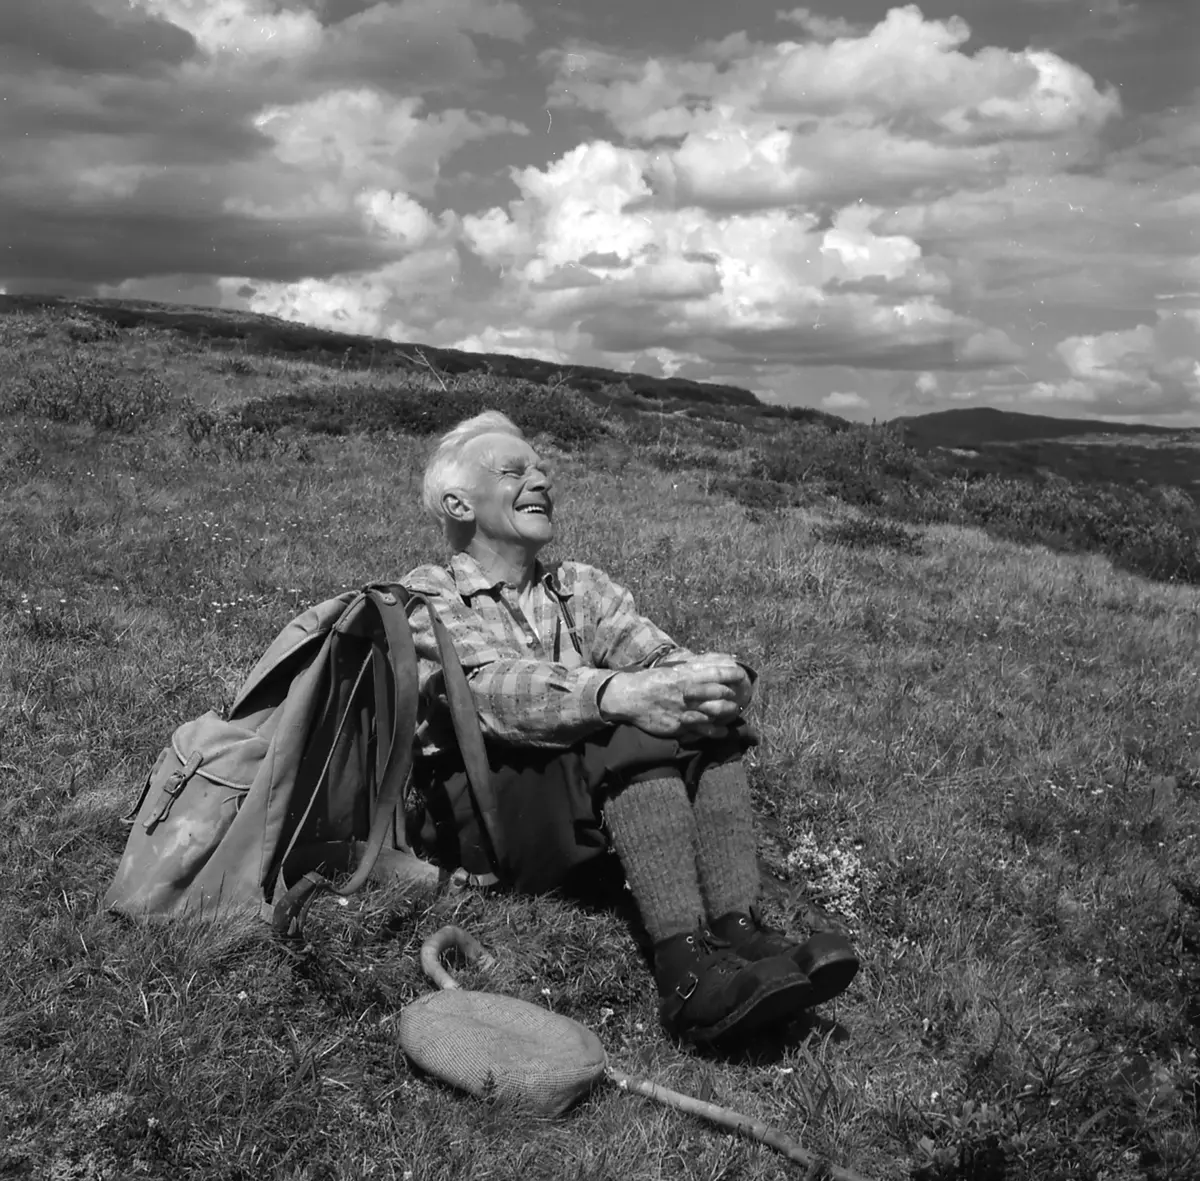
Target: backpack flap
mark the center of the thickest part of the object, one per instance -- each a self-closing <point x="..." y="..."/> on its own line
<point x="189" y="801"/>
<point x="279" y="662"/>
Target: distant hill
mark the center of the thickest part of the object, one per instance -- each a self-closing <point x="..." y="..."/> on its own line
<point x="982" y="440"/>
<point x="977" y="425"/>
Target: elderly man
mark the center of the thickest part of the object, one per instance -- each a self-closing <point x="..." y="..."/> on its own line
<point x="603" y="734"/>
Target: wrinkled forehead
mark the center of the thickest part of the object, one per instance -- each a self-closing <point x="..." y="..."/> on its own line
<point x="499" y="450"/>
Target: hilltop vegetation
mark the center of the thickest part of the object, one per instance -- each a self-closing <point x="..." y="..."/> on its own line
<point x="243" y="335"/>
<point x="978" y="755"/>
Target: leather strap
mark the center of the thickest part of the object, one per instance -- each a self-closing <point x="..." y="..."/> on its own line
<point x="470" y="740"/>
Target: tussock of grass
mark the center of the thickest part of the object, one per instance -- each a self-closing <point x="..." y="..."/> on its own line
<point x="979" y="757"/>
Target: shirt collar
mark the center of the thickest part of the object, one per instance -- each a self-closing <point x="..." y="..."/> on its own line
<point x="470" y="579"/>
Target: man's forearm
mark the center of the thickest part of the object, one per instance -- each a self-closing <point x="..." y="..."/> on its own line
<point x="538" y="703"/>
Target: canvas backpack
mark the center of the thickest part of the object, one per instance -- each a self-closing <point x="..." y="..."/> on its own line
<point x="256" y="811"/>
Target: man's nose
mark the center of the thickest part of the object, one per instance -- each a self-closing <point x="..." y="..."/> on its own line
<point x="540" y="480"/>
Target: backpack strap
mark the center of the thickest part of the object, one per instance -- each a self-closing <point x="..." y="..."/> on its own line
<point x="396" y="752"/>
<point x="470" y="740"/>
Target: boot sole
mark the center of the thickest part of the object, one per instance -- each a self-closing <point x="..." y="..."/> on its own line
<point x="831" y="979"/>
<point x="776" y="1003"/>
<point x="829" y="961"/>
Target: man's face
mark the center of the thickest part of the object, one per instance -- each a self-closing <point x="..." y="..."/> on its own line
<point x="509" y="489"/>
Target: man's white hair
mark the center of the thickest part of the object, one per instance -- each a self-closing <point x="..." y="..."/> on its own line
<point x="445" y="469"/>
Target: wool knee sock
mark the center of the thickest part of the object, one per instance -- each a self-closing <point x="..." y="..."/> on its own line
<point x="654" y="833"/>
<point x="727" y="850"/>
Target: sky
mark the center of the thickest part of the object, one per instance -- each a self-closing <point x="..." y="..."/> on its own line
<point x="870" y="208"/>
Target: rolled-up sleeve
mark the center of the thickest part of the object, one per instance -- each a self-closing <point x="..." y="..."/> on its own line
<point x="621" y="637"/>
<point x="519" y="700"/>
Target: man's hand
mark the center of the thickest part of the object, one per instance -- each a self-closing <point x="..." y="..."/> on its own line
<point x="700" y="697"/>
<point x="742" y="685"/>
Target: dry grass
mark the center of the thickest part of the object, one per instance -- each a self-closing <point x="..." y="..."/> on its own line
<point x="981" y="757"/>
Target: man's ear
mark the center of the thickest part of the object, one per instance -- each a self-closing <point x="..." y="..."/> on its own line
<point x="456" y="507"/>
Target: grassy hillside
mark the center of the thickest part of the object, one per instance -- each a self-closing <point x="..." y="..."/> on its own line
<point x="979" y="755"/>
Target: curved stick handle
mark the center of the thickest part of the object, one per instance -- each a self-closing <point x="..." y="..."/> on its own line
<point x="451" y="939"/>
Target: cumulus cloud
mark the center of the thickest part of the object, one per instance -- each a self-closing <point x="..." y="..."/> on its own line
<point x="1077" y="227"/>
<point x="105" y="37"/>
<point x="226" y="148"/>
<point x="756" y="211"/>
<point x="399" y="301"/>
<point x="394" y="45"/>
<point x="348" y="140"/>
<point x="823" y="28"/>
<point x="582" y="246"/>
<point x="838" y="401"/>
<point x="906" y="74"/>
<point x="248" y="29"/>
<point x="1152" y="368"/>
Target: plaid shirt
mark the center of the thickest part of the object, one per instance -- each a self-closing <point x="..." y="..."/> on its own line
<point x="532" y="686"/>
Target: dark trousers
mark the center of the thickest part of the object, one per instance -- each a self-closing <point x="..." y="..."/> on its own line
<point x="550" y="802"/>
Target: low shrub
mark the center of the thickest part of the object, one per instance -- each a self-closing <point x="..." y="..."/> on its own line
<point x="236" y="367"/>
<point x="222" y="434"/>
<point x="89" y="330"/>
<point x="756" y="494"/>
<point x="871" y="533"/>
<point x="811" y="451"/>
<point x="685" y="457"/>
<point x="81" y="386"/>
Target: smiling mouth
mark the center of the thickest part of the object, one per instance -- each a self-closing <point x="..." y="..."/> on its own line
<point x="534" y="508"/>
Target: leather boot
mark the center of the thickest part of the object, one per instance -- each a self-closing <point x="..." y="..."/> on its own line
<point x="707" y="993"/>
<point x="827" y="958"/>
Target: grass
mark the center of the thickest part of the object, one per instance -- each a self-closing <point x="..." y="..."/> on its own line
<point x="980" y="755"/>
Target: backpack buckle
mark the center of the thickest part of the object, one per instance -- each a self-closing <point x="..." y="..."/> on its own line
<point x="174" y="784"/>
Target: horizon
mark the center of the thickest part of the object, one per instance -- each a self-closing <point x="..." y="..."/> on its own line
<point x="874" y="210"/>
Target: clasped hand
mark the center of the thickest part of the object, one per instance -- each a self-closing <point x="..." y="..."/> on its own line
<point x="701" y="696"/>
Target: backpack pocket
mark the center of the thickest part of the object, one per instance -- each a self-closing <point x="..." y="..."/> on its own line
<point x="187" y="804"/>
